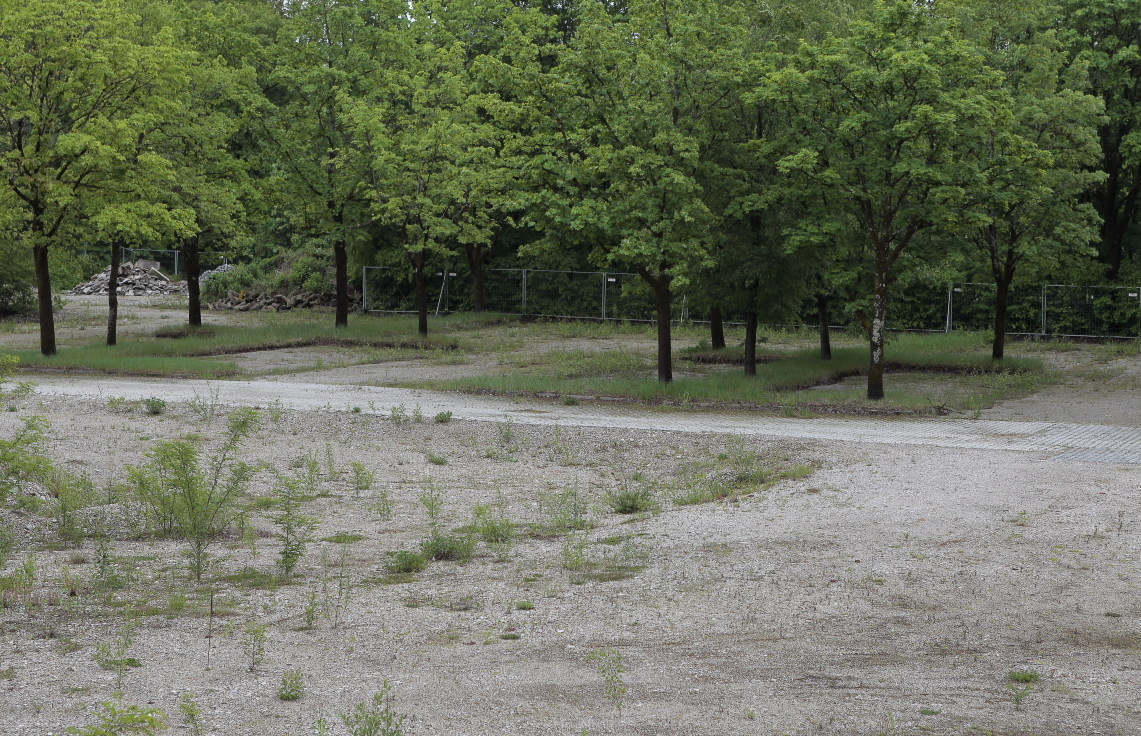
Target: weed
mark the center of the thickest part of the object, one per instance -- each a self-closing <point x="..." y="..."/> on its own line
<point x="206" y="408"/>
<point x="432" y="499"/>
<point x="570" y="401"/>
<point x="378" y="718"/>
<point x="443" y="417"/>
<point x="7" y="542"/>
<point x="506" y="431"/>
<point x="275" y="411"/>
<point x="177" y="602"/>
<point x="344" y="538"/>
<point x="399" y="414"/>
<point x="8" y="673"/>
<point x="524" y="605"/>
<point x="511" y="636"/>
<point x="71" y="494"/>
<point x="107" y="575"/>
<point x="112" y="655"/>
<point x="437" y="459"/>
<point x="196" y="500"/>
<point x="929" y="712"/>
<point x="120" y="405"/>
<point x="564" y="512"/>
<point x="254" y="639"/>
<point x="382" y="504"/>
<point x="154" y="405"/>
<point x="292" y="686"/>
<point x="628" y="500"/>
<point x="363" y="478"/>
<point x="23" y="458"/>
<point x="417" y="414"/>
<point x="459" y="548"/>
<point x="493" y="525"/>
<point x="573" y="552"/>
<point x="191" y="713"/>
<point x="337" y="602"/>
<point x="311" y="610"/>
<point x="331" y="472"/>
<point x="750" y="714"/>
<point x="403" y="562"/>
<point x="1022" y="676"/>
<point x="295" y="529"/>
<point x="119" y="719"/>
<point x="609" y="662"/>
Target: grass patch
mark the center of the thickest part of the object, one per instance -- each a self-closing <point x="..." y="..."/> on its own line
<point x="344" y="538"/>
<point x="956" y="353"/>
<point x="195" y="351"/>
<point x="248" y="577"/>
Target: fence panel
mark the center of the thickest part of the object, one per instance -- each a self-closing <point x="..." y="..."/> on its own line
<point x="387" y="289"/>
<point x="1092" y="311"/>
<point x="170" y="261"/>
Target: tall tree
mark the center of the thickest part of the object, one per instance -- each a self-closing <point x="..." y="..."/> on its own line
<point x="1106" y="38"/>
<point x="74" y="94"/>
<point x="1033" y="165"/>
<point x="620" y="126"/>
<point x="878" y="121"/>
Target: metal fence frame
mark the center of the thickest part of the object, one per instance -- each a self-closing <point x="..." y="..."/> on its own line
<point x="129" y="255"/>
<point x="1048" y="310"/>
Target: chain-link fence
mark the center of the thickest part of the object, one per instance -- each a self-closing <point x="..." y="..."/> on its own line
<point x="171" y="261"/>
<point x="1060" y="310"/>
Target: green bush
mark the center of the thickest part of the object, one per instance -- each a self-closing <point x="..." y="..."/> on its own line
<point x="17" y="279"/>
<point x="629" y="500"/>
<point x="405" y="562"/>
<point x="292" y="685"/>
<point x="448" y="547"/>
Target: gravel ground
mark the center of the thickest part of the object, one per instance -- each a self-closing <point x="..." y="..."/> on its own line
<point x="890" y="591"/>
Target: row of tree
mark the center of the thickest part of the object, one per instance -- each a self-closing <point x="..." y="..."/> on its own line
<point x="756" y="154"/>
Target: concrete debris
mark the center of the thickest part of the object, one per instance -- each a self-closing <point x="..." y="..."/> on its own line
<point x="133" y="281"/>
<point x="264" y="300"/>
<point x="205" y="275"/>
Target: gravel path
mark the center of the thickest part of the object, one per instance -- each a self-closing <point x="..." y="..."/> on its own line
<point x="1063" y="440"/>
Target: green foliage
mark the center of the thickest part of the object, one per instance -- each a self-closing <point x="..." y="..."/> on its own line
<point x="295" y="529"/>
<point x="563" y="512"/>
<point x="363" y="478"/>
<point x="23" y="458"/>
<point x="378" y="718"/>
<point x="292" y="686"/>
<point x="112" y="655"/>
<point x="119" y="720"/>
<point x="71" y="494"/>
<point x="630" y="499"/>
<point x="7" y="543"/>
<point x="609" y="662"/>
<point x="402" y="562"/>
<point x="191" y="713"/>
<point x="154" y="405"/>
<point x="457" y="547"/>
<point x="254" y="639"/>
<point x="443" y="417"/>
<point x="193" y="499"/>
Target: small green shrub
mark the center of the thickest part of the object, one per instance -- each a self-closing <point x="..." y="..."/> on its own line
<point x="443" y="417"/>
<point x="378" y="718"/>
<point x="448" y="547"/>
<point x="344" y="538"/>
<point x="627" y="500"/>
<point x="292" y="686"/>
<point x="1022" y="676"/>
<point x="119" y="719"/>
<point x="254" y="639"/>
<point x="402" y="562"/>
<point x="154" y="405"/>
<point x="437" y="459"/>
<point x="363" y="478"/>
<point x="510" y="636"/>
<point x="524" y="605"/>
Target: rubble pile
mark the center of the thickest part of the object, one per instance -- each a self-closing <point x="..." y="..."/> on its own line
<point x="224" y="268"/>
<point x="133" y="281"/>
<point x="263" y="300"/>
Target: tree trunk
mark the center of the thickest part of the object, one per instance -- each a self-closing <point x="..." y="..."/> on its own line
<point x="879" y="318"/>
<point x="825" y="336"/>
<point x="44" y="292"/>
<point x="751" y="343"/>
<point x="421" y="295"/>
<point x="113" y="293"/>
<point x="475" y="258"/>
<point x="193" y="290"/>
<point x="716" y="328"/>
<point x="1001" y="297"/>
<point x="341" y="262"/>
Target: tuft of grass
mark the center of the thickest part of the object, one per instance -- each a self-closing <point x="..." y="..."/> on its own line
<point x="443" y="417"/>
<point x="344" y="538"/>
<point x="437" y="459"/>
<point x="448" y="547"/>
<point x="510" y="636"/>
<point x="627" y="500"/>
<point x="249" y="577"/>
<point x="154" y="405"/>
<point x="524" y="605"/>
<point x="1022" y="676"/>
<point x="405" y="563"/>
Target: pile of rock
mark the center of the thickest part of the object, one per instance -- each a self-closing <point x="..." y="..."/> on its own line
<point x="259" y="300"/>
<point x="224" y="268"/>
<point x="133" y="281"/>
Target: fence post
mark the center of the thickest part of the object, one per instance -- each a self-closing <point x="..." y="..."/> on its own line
<point x="1043" y="310"/>
<point x="176" y="263"/>
<point x="950" y="291"/>
<point x="603" y="296"/>
<point x="364" y="289"/>
<point x="523" y="309"/>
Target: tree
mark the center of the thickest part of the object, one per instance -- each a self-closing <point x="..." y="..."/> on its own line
<point x="878" y="120"/>
<point x="1033" y="165"/>
<point x="1106" y="39"/>
<point x="620" y="133"/>
<point x="74" y="93"/>
<point x="328" y="54"/>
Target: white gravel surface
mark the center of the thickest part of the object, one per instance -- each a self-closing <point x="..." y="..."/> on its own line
<point x="889" y="592"/>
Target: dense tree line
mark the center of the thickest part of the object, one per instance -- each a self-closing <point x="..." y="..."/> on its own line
<point x="755" y="155"/>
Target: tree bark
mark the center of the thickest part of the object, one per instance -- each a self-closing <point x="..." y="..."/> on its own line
<point x="44" y="294"/>
<point x="751" y="343"/>
<point x="825" y="333"/>
<point x="716" y="327"/>
<point x="193" y="289"/>
<point x="879" y="318"/>
<point x="421" y="294"/>
<point x="475" y="258"/>
<point x="113" y="293"/>
<point x="1001" y="297"/>
<point x="341" y="263"/>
